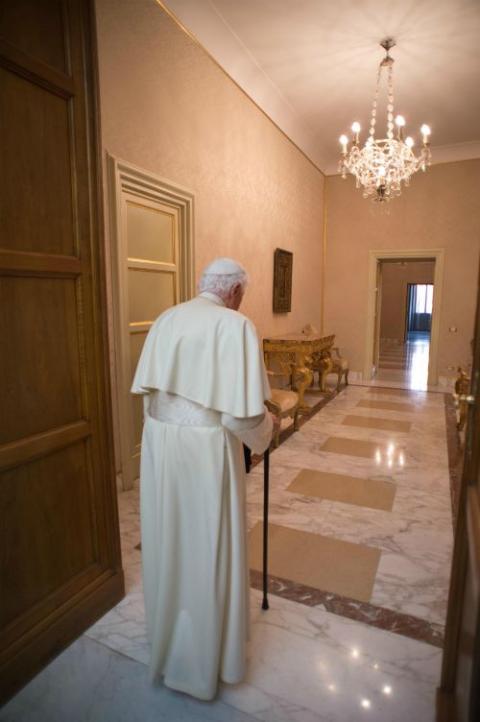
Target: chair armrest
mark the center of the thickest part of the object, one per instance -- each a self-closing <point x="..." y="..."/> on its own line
<point x="273" y="407"/>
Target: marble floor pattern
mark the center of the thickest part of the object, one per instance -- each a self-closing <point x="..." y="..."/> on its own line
<point x="415" y="538"/>
<point x="306" y="664"/>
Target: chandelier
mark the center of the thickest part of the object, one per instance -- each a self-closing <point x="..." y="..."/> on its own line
<point x="381" y="166"/>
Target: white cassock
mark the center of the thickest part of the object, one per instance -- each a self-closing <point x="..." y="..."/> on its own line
<point x="204" y="379"/>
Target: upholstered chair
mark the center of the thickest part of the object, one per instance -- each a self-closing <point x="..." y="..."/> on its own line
<point x="284" y="404"/>
<point x="285" y="401"/>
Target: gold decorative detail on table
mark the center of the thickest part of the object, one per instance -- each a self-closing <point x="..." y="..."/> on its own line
<point x="293" y="353"/>
<point x="326" y="363"/>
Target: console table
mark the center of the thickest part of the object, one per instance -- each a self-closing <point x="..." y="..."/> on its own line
<point x="295" y="353"/>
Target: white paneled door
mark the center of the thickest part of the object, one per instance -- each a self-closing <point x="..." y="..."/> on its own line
<point x="154" y="271"/>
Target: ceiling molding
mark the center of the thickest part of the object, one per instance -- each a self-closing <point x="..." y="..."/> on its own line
<point x="258" y="50"/>
<point x="208" y="28"/>
<point x="455" y="152"/>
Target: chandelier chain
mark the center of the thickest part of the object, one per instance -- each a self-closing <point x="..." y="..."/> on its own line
<point x="390" y="102"/>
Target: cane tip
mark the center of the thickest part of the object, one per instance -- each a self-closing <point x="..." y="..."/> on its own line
<point x="265" y="603"/>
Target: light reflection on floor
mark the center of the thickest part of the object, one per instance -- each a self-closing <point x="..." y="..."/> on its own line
<point x="405" y="364"/>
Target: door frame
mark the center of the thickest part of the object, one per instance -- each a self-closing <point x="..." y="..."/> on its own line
<point x="378" y="317"/>
<point x="407" y="254"/>
<point x="465" y="562"/>
<point x="124" y="177"/>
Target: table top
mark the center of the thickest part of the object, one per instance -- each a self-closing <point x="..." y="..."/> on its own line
<point x="300" y="337"/>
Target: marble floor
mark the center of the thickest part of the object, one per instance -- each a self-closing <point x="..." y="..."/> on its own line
<point x="406" y="363"/>
<point x="313" y="657"/>
<point x="415" y="538"/>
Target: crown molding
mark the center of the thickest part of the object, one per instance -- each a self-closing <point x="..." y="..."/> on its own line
<point x="455" y="152"/>
<point x="206" y="26"/>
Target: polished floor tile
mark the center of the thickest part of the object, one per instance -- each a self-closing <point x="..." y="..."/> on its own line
<point x="353" y="447"/>
<point x="373" y="422"/>
<point x="386" y="405"/>
<point x="307" y="665"/>
<point x="391" y="391"/>
<point x="317" y="561"/>
<point x="90" y="683"/>
<point x="372" y="493"/>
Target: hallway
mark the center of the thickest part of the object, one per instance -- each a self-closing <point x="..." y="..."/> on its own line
<point x="318" y="655"/>
<point x="405" y="364"/>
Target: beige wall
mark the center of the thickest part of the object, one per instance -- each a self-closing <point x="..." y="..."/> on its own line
<point x="396" y="275"/>
<point x="440" y="209"/>
<point x="168" y="108"/>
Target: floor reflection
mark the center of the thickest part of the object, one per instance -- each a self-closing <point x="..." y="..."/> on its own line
<point x="405" y="363"/>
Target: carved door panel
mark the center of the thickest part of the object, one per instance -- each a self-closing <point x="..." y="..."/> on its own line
<point x="60" y="563"/>
<point x="459" y="693"/>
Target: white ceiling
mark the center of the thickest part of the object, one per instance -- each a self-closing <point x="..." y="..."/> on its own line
<point x="311" y="65"/>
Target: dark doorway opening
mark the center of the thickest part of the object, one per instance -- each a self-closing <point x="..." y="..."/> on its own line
<point x="419" y="311"/>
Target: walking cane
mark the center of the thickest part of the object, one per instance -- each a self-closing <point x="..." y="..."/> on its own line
<point x="266" y="479"/>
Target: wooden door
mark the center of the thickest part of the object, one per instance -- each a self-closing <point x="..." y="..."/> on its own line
<point x="59" y="546"/>
<point x="153" y="264"/>
<point x="459" y="693"/>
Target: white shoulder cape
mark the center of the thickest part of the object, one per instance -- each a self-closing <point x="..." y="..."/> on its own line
<point x="206" y="353"/>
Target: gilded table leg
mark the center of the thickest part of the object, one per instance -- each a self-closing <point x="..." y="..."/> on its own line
<point x="327" y="368"/>
<point x="306" y="378"/>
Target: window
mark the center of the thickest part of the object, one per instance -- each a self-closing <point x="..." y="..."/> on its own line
<point x="424" y="298"/>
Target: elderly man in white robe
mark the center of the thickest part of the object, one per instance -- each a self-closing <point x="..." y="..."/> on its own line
<point x="204" y="383"/>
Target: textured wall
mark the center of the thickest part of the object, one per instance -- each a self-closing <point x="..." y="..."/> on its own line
<point x="440" y="209"/>
<point x="395" y="278"/>
<point x="168" y="108"/>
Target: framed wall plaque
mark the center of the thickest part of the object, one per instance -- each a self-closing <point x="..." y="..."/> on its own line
<point x="282" y="281"/>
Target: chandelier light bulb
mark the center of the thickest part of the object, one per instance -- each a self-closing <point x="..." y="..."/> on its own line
<point x="356" y="127"/>
<point x="381" y="172"/>
<point x="343" y="139"/>
<point x="400" y="121"/>
<point x="425" y="131"/>
<point x="409" y="141"/>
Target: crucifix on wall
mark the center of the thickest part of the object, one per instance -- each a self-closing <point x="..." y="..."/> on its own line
<point x="282" y="281"/>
